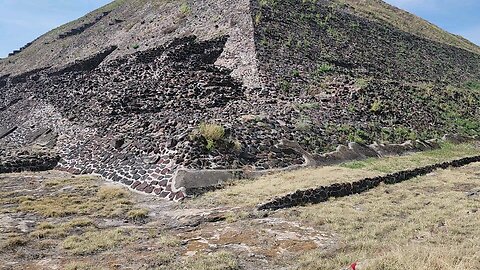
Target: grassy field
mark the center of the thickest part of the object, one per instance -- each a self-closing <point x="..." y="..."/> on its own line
<point x="430" y="222"/>
<point x="52" y="220"/>
<point x="253" y="192"/>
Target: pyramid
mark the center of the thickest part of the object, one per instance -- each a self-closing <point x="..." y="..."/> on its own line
<point x="172" y="97"/>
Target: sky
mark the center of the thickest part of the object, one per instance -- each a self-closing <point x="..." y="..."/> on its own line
<point x="21" y="21"/>
<point x="461" y="17"/>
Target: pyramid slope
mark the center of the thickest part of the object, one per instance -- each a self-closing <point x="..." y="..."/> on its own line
<point x="383" y="12"/>
<point x="140" y="25"/>
<point x="223" y="89"/>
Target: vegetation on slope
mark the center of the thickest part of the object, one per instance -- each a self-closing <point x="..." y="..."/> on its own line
<point x="383" y="12"/>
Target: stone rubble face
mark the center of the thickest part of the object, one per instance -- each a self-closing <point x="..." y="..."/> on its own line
<point x="130" y="120"/>
<point x="131" y="116"/>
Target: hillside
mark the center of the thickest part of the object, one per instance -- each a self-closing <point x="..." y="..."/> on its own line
<point x="152" y="93"/>
<point x="140" y="25"/>
<point x="383" y="12"/>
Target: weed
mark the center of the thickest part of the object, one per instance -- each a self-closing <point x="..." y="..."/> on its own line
<point x="376" y="106"/>
<point x="307" y="106"/>
<point x="269" y="3"/>
<point x="258" y="18"/>
<point x="285" y="86"/>
<point x="137" y="214"/>
<point x="237" y="146"/>
<point x="185" y="9"/>
<point x="303" y="124"/>
<point x="93" y="242"/>
<point x="361" y="83"/>
<point x="211" y="133"/>
<point x="295" y="73"/>
<point x="473" y="85"/>
<point x="323" y="68"/>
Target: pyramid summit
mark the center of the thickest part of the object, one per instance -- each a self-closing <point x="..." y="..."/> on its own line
<point x="168" y="96"/>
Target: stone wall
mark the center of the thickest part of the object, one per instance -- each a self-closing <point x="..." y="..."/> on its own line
<point x="78" y="30"/>
<point x="131" y="120"/>
<point x="19" y="161"/>
<point x="322" y="194"/>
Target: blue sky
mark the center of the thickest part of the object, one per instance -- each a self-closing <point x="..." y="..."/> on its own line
<point x="460" y="17"/>
<point x="21" y="21"/>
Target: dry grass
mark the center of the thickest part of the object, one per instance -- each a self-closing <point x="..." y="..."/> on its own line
<point x="111" y="193"/>
<point x="45" y="229"/>
<point x="137" y="214"/>
<point x="13" y="242"/>
<point x="214" y="261"/>
<point x="71" y="208"/>
<point x="253" y="192"/>
<point x="96" y="241"/>
<point x="425" y="223"/>
<point x="81" y="199"/>
<point x="212" y="132"/>
<point x="393" y="164"/>
<point x="168" y="240"/>
<point x="82" y="266"/>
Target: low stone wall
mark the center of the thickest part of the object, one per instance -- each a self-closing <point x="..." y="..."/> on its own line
<point x="196" y="182"/>
<point x="80" y="29"/>
<point x="323" y="193"/>
<point x="11" y="163"/>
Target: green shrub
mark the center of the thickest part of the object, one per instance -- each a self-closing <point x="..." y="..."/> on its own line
<point x="376" y="106"/>
<point x="285" y="86"/>
<point x="323" y="68"/>
<point x="361" y="83"/>
<point x="473" y="85"/>
<point x="212" y="133"/>
<point x="185" y="9"/>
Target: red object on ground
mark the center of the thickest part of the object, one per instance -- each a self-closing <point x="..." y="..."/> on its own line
<point x="353" y="266"/>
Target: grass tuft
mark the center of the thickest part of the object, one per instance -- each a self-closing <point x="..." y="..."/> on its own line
<point x="93" y="242"/>
<point x="214" y="261"/>
<point x="137" y="214"/>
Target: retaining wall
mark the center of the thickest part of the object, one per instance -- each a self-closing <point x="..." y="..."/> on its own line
<point x="323" y="193"/>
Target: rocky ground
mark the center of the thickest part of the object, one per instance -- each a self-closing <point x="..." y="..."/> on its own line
<point x="54" y="220"/>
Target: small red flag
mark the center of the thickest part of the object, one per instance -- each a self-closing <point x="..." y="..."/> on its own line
<point x="353" y="266"/>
